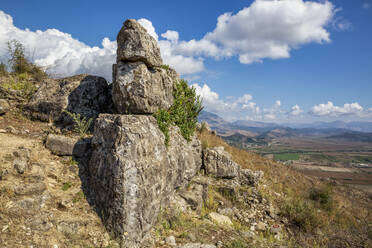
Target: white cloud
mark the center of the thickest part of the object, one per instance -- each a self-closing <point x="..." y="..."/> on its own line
<point x="295" y="111"/>
<point x="277" y="104"/>
<point x="331" y="110"/>
<point x="366" y="5"/>
<point x="265" y="29"/>
<point x="149" y="27"/>
<point x="171" y="35"/>
<point x="61" y="54"/>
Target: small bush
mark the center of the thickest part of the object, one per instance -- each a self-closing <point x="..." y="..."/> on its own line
<point x="19" y="64"/>
<point x="22" y="84"/>
<point x="66" y="186"/>
<point x="166" y="67"/>
<point x="81" y="124"/>
<point x="301" y="213"/>
<point x="3" y="71"/>
<point x="183" y="113"/>
<point x="164" y="121"/>
<point x="323" y="196"/>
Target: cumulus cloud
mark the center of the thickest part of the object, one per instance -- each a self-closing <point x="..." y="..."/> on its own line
<point x="295" y="111"/>
<point x="366" y="5"/>
<point x="236" y="108"/>
<point x="265" y="29"/>
<point x="61" y="54"/>
<point x="329" y="109"/>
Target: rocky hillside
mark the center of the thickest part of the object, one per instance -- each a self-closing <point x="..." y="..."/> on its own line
<point x="88" y="164"/>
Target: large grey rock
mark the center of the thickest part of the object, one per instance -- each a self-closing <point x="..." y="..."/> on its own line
<point x="65" y="146"/>
<point x="249" y="177"/>
<point x="218" y="163"/>
<point x="82" y="94"/>
<point x="139" y="90"/>
<point x="133" y="174"/>
<point x="220" y="219"/>
<point x="135" y="44"/>
<point x="4" y="106"/>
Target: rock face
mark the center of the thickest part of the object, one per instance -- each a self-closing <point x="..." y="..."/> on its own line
<point x="133" y="173"/>
<point x="218" y="163"/>
<point x="140" y="90"/>
<point x="82" y="94"/>
<point x="135" y="44"/>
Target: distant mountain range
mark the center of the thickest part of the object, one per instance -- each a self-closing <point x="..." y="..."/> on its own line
<point x="263" y="131"/>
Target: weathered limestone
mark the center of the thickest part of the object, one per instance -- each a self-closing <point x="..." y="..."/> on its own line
<point x="135" y="44"/>
<point x="65" y="146"/>
<point x="139" y="90"/>
<point x="218" y="163"/>
<point x="133" y="174"/>
<point x="82" y="94"/>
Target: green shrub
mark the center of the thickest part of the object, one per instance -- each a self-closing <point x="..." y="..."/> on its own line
<point x="3" y="71"/>
<point x="19" y="64"/>
<point x="301" y="213"/>
<point x="323" y="196"/>
<point x="81" y="124"/>
<point x="22" y="84"/>
<point x="164" y="121"/>
<point x="66" y="186"/>
<point x="183" y="113"/>
<point x="166" y="67"/>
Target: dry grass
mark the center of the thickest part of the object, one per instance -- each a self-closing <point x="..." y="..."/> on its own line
<point x="317" y="217"/>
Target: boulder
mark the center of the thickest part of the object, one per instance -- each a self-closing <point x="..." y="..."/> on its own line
<point x="249" y="177"/>
<point x="133" y="174"/>
<point x="82" y="94"/>
<point x="135" y="44"/>
<point x="218" y="163"/>
<point x="65" y="146"/>
<point x="220" y="219"/>
<point x="4" y="106"/>
<point x="139" y="90"/>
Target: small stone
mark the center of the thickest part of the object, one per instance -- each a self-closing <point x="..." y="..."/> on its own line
<point x="171" y="241"/>
<point x="11" y="129"/>
<point x="220" y="219"/>
<point x="191" y="237"/>
<point x="4" y="106"/>
<point x="261" y="226"/>
<point x="20" y="166"/>
<point x="2" y="131"/>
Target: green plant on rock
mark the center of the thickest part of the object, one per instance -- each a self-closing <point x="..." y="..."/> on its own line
<point x="81" y="124"/>
<point x="21" y="83"/>
<point x="183" y="113"/>
<point x="165" y="67"/>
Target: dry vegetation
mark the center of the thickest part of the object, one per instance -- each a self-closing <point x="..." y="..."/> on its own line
<point x="319" y="214"/>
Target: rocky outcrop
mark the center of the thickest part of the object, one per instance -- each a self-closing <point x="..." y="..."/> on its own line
<point x="82" y="94"/>
<point x="140" y="90"/>
<point x="133" y="173"/>
<point x="218" y="163"/>
<point x="135" y="44"/>
<point x="65" y="146"/>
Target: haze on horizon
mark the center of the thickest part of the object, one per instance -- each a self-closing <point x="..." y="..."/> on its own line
<point x="263" y="60"/>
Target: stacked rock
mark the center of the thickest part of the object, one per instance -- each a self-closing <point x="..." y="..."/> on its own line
<point x="140" y="85"/>
<point x="132" y="173"/>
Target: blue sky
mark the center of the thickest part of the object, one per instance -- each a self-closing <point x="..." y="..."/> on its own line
<point x="255" y="65"/>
